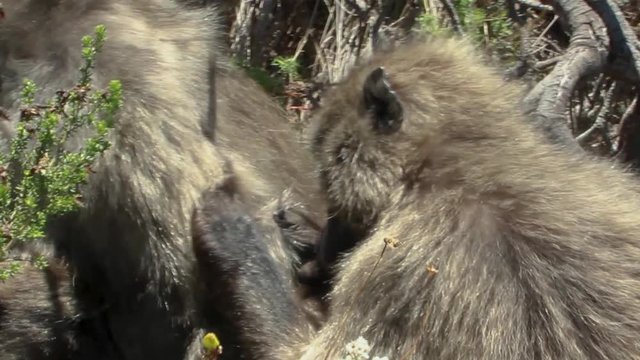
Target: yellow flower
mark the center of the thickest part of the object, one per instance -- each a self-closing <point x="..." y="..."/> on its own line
<point x="210" y="342"/>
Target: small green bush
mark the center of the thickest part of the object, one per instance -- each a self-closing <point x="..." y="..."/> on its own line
<point x="39" y="178"/>
<point x="288" y="66"/>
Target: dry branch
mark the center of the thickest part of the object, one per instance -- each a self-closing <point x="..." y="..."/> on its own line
<point x="600" y="122"/>
<point x="355" y="29"/>
<point x="601" y="41"/>
<point x="625" y="48"/>
<point x="456" y="24"/>
<point x="253" y="26"/>
<point x="534" y="4"/>
<point x="628" y="146"/>
<point x="587" y="54"/>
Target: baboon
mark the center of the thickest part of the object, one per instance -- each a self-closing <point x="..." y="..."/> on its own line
<point x="235" y="256"/>
<point x="129" y="247"/>
<point x="303" y="235"/>
<point x="470" y="235"/>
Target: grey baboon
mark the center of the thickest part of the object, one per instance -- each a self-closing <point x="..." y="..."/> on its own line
<point x="508" y="248"/>
<point x="129" y="248"/>
<point x="470" y="236"/>
<point x="235" y="256"/>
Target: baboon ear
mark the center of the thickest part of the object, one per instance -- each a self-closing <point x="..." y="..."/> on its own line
<point x="382" y="102"/>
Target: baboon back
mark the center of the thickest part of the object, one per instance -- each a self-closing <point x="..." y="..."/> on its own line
<point x="508" y="247"/>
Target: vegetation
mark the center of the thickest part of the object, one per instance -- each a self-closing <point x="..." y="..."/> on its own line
<point x="288" y="66"/>
<point x="41" y="177"/>
<point x="592" y="43"/>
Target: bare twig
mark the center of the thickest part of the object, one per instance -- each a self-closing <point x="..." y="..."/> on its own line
<point x="600" y="121"/>
<point x="541" y="65"/>
<point x="597" y="88"/>
<point x="352" y="31"/>
<point x="535" y="5"/>
<point x="628" y="145"/>
<point x="544" y="32"/>
<point x="453" y="16"/>
<point x="309" y="30"/>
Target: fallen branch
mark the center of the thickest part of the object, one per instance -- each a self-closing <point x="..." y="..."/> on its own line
<point x="600" y="121"/>
<point x="624" y="59"/>
<point x="628" y="146"/>
<point x="586" y="55"/>
<point x="535" y="5"/>
<point x="601" y="42"/>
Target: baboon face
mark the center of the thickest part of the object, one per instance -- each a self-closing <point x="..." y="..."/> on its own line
<point x="354" y="136"/>
<point x="355" y="141"/>
<point x="402" y="116"/>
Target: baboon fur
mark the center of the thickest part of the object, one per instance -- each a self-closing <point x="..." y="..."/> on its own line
<point x="475" y="237"/>
<point x="508" y="247"/>
<point x="130" y="246"/>
<point x="39" y="318"/>
<point x="233" y="253"/>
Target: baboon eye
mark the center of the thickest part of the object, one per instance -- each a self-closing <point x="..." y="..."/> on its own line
<point x="382" y="103"/>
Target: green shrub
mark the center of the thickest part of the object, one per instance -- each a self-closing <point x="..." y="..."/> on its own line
<point x="39" y="178"/>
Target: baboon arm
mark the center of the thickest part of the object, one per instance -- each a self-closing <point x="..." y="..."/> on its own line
<point x="242" y="281"/>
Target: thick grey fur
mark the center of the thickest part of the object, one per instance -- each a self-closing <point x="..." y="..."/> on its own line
<point x="130" y="247"/>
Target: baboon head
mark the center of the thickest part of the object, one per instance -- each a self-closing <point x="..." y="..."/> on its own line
<point x="396" y="116"/>
<point x="352" y="139"/>
<point x="399" y="123"/>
